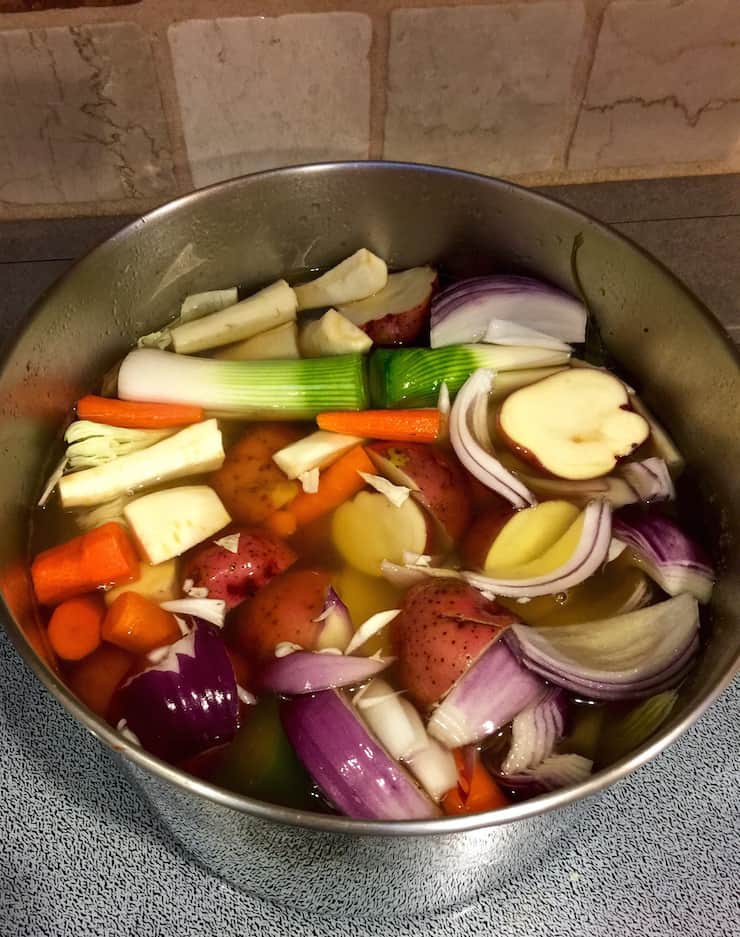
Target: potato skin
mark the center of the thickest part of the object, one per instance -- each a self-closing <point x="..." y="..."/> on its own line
<point x="284" y="610"/>
<point x="249" y="483"/>
<point x="234" y="577"/>
<point x="444" y="625"/>
<point x="434" y="476"/>
<point x="401" y="328"/>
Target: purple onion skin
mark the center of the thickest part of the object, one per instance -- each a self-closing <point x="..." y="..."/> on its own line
<point x="487" y="284"/>
<point x="351" y="768"/>
<point x="181" y="712"/>
<point x="659" y="537"/>
<point x="310" y="672"/>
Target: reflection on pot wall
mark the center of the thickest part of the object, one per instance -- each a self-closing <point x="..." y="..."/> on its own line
<point x="115" y="108"/>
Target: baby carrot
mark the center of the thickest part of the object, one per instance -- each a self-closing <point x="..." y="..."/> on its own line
<point x="96" y="678"/>
<point x="337" y="483"/>
<point x="137" y="624"/>
<point x="100" y="557"/>
<point x="74" y="627"/>
<point x="394" y="425"/>
<point x="134" y="414"/>
<point x="476" y="791"/>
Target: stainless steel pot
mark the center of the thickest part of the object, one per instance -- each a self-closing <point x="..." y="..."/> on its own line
<point x="255" y="229"/>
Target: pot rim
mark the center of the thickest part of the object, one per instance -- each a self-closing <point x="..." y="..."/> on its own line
<point x="305" y="819"/>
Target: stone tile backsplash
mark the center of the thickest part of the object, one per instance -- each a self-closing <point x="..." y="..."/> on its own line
<point x="114" y="107"/>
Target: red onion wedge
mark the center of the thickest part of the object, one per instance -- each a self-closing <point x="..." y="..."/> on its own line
<point x="354" y="771"/>
<point x="336" y="630"/>
<point x="487" y="696"/>
<point x="311" y="671"/>
<point x="398" y="726"/>
<point x="504" y="332"/>
<point x="554" y="772"/>
<point x="626" y="657"/>
<point x="462" y="312"/>
<point x="590" y="553"/>
<point x="665" y="553"/>
<point x="649" y="479"/>
<point x="535" y="731"/>
<point x="187" y="702"/>
<point x="471" y="440"/>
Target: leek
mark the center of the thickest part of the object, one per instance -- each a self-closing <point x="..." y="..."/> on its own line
<point x="636" y="726"/>
<point x="411" y="377"/>
<point x="283" y="390"/>
<point x="195" y="449"/>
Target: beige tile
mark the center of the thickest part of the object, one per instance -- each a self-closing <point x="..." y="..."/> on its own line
<point x="484" y="87"/>
<point x="257" y="93"/>
<point x="664" y="88"/>
<point x="80" y="116"/>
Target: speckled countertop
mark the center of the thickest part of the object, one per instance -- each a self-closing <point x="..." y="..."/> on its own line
<point x="657" y="855"/>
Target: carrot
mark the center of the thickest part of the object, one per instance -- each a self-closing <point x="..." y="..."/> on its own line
<point x="137" y="624"/>
<point x="336" y="484"/>
<point x="395" y="425"/>
<point x="17" y="590"/>
<point x="476" y="790"/>
<point x="74" y="627"/>
<point x="134" y="414"/>
<point x="96" y="678"/>
<point x="104" y="556"/>
<point x="282" y="523"/>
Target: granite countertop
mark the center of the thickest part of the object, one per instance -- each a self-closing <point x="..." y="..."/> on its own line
<point x="657" y="855"/>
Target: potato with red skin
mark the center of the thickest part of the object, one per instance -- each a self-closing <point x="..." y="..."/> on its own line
<point x="402" y="328"/>
<point x="399" y="313"/>
<point x="284" y="610"/>
<point x="483" y="531"/>
<point x="234" y="577"/>
<point x="249" y="483"/>
<point x="444" y="626"/>
<point x="435" y="478"/>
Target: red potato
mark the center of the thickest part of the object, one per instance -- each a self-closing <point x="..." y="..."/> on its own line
<point x="249" y="483"/>
<point x="444" y="625"/>
<point x="435" y="478"/>
<point x="236" y="576"/>
<point x="484" y="530"/>
<point x="399" y="313"/>
<point x="284" y="610"/>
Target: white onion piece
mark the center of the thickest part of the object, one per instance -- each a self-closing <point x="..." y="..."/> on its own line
<point x="535" y="731"/>
<point x="409" y="575"/>
<point x="553" y="773"/>
<point x="471" y="440"/>
<point x="336" y="631"/>
<point x="396" y="494"/>
<point x="373" y="625"/>
<point x="230" y="543"/>
<point x="505" y="332"/>
<point x="590" y="553"/>
<point x="211" y="610"/>
<point x="397" y="725"/>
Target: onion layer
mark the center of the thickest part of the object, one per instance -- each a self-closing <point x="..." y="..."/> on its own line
<point x="554" y="772"/>
<point x="351" y="767"/>
<point x="471" y="440"/>
<point x="487" y="696"/>
<point x="535" y="731"/>
<point x="665" y="553"/>
<point x="311" y="671"/>
<point x="463" y="311"/>
<point x="626" y="657"/>
<point x="187" y="702"/>
<point x="590" y="553"/>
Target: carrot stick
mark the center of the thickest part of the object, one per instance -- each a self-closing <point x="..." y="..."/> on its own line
<point x="17" y="590"/>
<point x="137" y="624"/>
<point x="96" y="678"/>
<point x="135" y="414"/>
<point x="338" y="483"/>
<point x="74" y="627"/>
<point x="104" y="556"/>
<point x="395" y="425"/>
<point x="476" y="790"/>
<point x="282" y="523"/>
